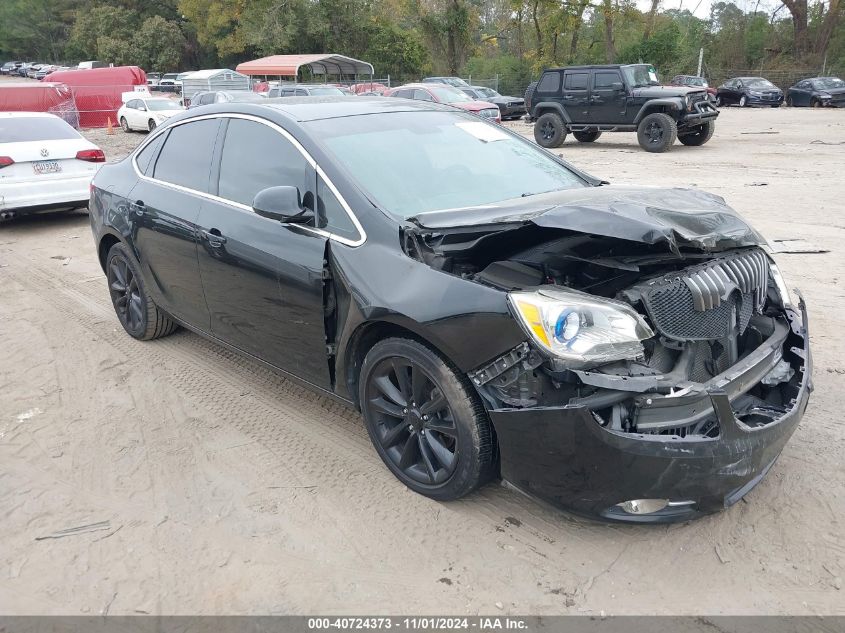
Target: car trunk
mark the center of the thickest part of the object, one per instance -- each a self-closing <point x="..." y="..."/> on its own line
<point x="45" y="161"/>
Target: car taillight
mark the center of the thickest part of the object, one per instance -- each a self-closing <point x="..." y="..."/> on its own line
<point x="91" y="155"/>
<point x="5" y="161"/>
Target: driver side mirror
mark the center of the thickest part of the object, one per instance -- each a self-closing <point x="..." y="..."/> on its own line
<point x="282" y="204"/>
<point x="142" y="108"/>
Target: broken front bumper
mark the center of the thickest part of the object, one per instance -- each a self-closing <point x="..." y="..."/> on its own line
<point x="562" y="454"/>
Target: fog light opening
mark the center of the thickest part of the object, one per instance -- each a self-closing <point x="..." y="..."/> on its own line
<point x="643" y="506"/>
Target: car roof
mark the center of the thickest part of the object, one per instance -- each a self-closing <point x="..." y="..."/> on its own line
<point x="21" y="115"/>
<point x="304" y="109"/>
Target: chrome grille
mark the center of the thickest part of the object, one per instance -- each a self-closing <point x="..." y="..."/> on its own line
<point x="708" y="302"/>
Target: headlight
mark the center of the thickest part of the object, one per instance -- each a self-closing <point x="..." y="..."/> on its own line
<point x="489" y="113"/>
<point x="755" y="93"/>
<point x="780" y="284"/>
<point x="824" y="95"/>
<point x="580" y="328"/>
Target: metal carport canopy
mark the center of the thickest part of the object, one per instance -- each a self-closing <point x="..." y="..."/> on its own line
<point x="289" y="65"/>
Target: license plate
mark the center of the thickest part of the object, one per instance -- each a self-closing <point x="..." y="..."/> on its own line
<point x="46" y="167"/>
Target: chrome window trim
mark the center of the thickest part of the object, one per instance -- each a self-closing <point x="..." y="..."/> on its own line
<point x="237" y="205"/>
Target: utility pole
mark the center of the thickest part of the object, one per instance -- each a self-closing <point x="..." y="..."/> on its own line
<point x="700" y="60"/>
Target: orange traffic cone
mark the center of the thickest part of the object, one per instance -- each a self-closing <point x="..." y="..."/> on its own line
<point x="109" y="128"/>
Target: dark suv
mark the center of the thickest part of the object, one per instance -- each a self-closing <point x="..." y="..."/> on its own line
<point x="589" y="100"/>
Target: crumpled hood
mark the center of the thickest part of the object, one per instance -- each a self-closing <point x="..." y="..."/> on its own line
<point x="680" y="218"/>
<point x="661" y="92"/>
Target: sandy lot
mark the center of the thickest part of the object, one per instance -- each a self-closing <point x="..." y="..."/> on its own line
<point x="205" y="484"/>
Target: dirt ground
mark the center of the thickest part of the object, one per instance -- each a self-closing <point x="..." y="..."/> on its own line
<point x="205" y="484"/>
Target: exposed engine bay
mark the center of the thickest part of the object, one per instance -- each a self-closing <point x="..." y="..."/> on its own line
<point x="715" y="317"/>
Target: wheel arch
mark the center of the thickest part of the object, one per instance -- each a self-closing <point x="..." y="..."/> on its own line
<point x="367" y="334"/>
<point x="545" y="107"/>
<point x="106" y="242"/>
<point x="666" y="106"/>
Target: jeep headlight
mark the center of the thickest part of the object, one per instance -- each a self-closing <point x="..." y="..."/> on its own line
<point x="579" y="328"/>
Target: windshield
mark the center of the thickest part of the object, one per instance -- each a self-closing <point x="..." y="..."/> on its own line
<point x="42" y="128"/>
<point x="488" y="92"/>
<point x="170" y="76"/>
<point x="414" y="162"/>
<point x="640" y="75"/>
<point x="828" y="83"/>
<point x="696" y="81"/>
<point x="158" y="105"/>
<point x="449" y="95"/>
<point x="326" y="91"/>
<point x="758" y="82"/>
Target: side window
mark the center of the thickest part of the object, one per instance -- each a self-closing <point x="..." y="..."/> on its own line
<point x="301" y="93"/>
<point x="145" y="156"/>
<point x="332" y="216"/>
<point x="255" y="157"/>
<point x="207" y="98"/>
<point x="185" y="158"/>
<point x="804" y="85"/>
<point x="287" y="92"/>
<point x="549" y="82"/>
<point x="422" y="95"/>
<point x="605" y="79"/>
<point x="576" y="81"/>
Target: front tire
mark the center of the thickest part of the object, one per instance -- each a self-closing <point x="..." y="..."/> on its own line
<point x="151" y="125"/>
<point x="139" y="316"/>
<point x="549" y="130"/>
<point x="657" y="132"/>
<point x="743" y="101"/>
<point x="586" y="136"/>
<point x="425" y="421"/>
<point x="124" y="124"/>
<point x="699" y="135"/>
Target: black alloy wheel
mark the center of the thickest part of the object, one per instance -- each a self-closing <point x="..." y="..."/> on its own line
<point x="424" y="421"/>
<point x="699" y="135"/>
<point x="124" y="124"/>
<point x="549" y="130"/>
<point x="135" y="309"/>
<point x="657" y="132"/>
<point x="126" y="295"/>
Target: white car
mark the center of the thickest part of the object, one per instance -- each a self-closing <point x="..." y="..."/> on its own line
<point x="145" y="113"/>
<point x="44" y="164"/>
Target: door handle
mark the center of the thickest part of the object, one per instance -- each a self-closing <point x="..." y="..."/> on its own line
<point x="138" y="207"/>
<point x="214" y="237"/>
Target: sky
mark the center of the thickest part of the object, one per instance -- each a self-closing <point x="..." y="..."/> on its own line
<point x="701" y="8"/>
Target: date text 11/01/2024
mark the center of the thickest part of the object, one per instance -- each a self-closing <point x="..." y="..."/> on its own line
<point x="479" y="623"/>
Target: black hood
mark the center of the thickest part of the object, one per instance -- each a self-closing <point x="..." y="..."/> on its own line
<point x="679" y="218"/>
<point x="661" y="92"/>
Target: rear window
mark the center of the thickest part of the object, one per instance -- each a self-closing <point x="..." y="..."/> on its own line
<point x="549" y="82"/>
<point x="23" y="129"/>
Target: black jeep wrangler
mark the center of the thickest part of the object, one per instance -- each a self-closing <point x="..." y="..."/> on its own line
<point x="589" y="100"/>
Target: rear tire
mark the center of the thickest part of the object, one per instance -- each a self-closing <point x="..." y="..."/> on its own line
<point x="586" y="136"/>
<point x="135" y="309"/>
<point x="657" y="132"/>
<point x="549" y="130"/>
<point x="789" y="103"/>
<point x="125" y="125"/>
<point x="151" y="125"/>
<point x="699" y="135"/>
<point x="425" y="421"/>
<point x="816" y="103"/>
<point x="743" y="101"/>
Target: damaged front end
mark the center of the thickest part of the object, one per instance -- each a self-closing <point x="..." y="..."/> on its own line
<point x="660" y="377"/>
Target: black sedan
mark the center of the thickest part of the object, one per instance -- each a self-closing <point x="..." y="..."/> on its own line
<point x="817" y="92"/>
<point x="630" y="353"/>
<point x="749" y="91"/>
<point x="509" y="107"/>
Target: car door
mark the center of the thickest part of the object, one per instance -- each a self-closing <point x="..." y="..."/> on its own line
<point x="132" y="113"/>
<point x="164" y="209"/>
<point x="263" y="280"/>
<point x="607" y="97"/>
<point x="802" y="93"/>
<point x="576" y="95"/>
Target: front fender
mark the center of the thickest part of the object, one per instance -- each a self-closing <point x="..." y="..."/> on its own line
<point x="674" y="104"/>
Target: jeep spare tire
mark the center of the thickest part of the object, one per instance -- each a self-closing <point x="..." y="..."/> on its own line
<point x="586" y="136"/>
<point x="698" y="135"/>
<point x="657" y="132"/>
<point x="549" y="130"/>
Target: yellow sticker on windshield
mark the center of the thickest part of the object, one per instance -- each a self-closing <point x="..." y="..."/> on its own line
<point x="483" y="131"/>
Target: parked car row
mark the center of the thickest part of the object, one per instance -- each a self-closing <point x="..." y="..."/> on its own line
<point x="37" y="70"/>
